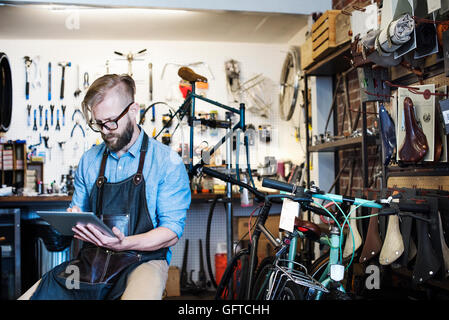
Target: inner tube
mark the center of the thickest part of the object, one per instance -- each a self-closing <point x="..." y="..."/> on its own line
<point x="5" y="93"/>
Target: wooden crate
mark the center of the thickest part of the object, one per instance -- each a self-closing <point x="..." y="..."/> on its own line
<point x="306" y="53"/>
<point x="325" y="30"/>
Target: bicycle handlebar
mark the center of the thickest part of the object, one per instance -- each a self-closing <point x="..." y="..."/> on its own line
<point x="288" y="187"/>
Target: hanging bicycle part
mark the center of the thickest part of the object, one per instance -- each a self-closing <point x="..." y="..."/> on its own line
<point x="290" y="84"/>
<point x="131" y="57"/>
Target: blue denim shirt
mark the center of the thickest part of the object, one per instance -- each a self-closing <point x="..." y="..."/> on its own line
<point x="166" y="181"/>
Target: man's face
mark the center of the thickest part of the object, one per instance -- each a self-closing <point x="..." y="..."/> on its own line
<point x="109" y="109"/>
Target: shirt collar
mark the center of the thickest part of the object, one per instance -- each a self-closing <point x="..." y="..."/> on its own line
<point x="135" y="148"/>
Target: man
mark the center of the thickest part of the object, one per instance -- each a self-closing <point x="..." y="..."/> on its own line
<point x="137" y="186"/>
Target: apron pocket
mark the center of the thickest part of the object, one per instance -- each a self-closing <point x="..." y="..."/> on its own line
<point x="120" y="221"/>
<point x="99" y="265"/>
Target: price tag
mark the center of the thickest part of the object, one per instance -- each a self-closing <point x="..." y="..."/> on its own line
<point x="290" y="210"/>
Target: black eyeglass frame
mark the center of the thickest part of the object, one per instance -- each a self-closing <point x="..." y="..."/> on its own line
<point x="98" y="126"/>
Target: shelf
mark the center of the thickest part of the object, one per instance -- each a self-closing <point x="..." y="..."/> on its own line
<point x="419" y="169"/>
<point x="336" y="62"/>
<point x="346" y="143"/>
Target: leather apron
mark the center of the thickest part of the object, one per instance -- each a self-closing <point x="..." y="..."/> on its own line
<point x="103" y="273"/>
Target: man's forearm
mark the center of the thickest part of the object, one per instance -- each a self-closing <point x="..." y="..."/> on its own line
<point x="155" y="239"/>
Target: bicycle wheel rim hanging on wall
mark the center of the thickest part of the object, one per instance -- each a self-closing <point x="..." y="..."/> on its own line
<point x="5" y="93"/>
<point x="289" y="84"/>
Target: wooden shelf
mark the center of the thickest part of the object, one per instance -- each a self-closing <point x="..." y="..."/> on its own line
<point x="336" y="62"/>
<point x="341" y="144"/>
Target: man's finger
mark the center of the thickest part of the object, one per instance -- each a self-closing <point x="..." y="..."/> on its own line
<point x="97" y="233"/>
<point x="118" y="233"/>
<point x="89" y="235"/>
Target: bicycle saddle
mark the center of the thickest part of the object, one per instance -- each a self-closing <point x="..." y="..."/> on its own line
<point x="427" y="262"/>
<point x="309" y="229"/>
<point x="415" y="146"/>
<point x="189" y="75"/>
<point x="373" y="243"/>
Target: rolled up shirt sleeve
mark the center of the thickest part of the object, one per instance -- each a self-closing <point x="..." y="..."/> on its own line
<point x="174" y="196"/>
<point x="80" y="196"/>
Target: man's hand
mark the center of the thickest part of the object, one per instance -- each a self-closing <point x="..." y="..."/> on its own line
<point x="74" y="209"/>
<point x="92" y="234"/>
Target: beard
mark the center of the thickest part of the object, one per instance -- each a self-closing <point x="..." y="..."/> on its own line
<point x="121" y="140"/>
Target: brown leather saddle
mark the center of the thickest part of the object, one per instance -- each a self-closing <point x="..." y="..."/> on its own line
<point x="415" y="146"/>
<point x="309" y="229"/>
<point x="373" y="243"/>
<point x="189" y="75"/>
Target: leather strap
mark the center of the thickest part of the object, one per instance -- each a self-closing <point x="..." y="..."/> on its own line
<point x="138" y="177"/>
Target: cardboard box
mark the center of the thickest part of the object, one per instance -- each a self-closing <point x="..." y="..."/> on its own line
<point x="173" y="285"/>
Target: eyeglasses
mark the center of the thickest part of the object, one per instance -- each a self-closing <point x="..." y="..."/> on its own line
<point x="110" y="124"/>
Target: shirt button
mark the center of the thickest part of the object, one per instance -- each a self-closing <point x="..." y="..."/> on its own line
<point x="120" y="167"/>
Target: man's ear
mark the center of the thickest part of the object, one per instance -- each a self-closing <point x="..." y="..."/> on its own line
<point x="135" y="108"/>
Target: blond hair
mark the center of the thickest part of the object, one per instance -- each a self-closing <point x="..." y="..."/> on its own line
<point x="100" y="87"/>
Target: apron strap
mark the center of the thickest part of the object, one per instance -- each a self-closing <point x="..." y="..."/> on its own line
<point x="101" y="180"/>
<point x="138" y="177"/>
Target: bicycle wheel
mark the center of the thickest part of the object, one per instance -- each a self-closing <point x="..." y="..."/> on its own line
<point x="263" y="272"/>
<point x="234" y="280"/>
<point x="289" y="290"/>
<point x="286" y="289"/>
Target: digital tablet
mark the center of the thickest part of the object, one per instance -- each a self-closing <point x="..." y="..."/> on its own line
<point x="64" y="221"/>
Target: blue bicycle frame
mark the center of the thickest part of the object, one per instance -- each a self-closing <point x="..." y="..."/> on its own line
<point x="239" y="126"/>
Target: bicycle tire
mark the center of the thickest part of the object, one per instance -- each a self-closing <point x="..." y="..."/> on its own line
<point x="289" y="290"/>
<point x="290" y="83"/>
<point x="223" y="290"/>
<point x="260" y="282"/>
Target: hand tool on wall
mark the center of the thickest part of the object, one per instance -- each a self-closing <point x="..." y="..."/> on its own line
<point x="57" y="120"/>
<point x="79" y="126"/>
<point x="131" y="57"/>
<point x="28" y="63"/>
<point x="35" y="119"/>
<point x="63" y="107"/>
<point x="49" y="81"/>
<point x="46" y="120"/>
<point x="40" y="115"/>
<point x="29" y="115"/>
<point x="47" y="146"/>
<point x="52" y="107"/>
<point x="150" y="90"/>
<point x="77" y="111"/>
<point x="86" y="80"/>
<point x="78" y="90"/>
<point x="63" y="65"/>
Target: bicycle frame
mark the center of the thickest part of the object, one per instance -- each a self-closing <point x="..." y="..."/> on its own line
<point x="190" y="99"/>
